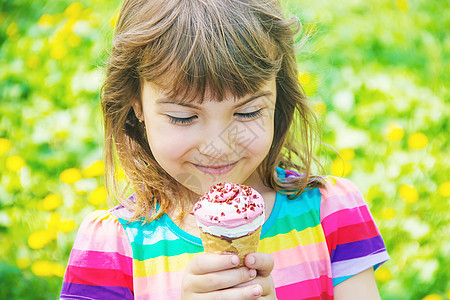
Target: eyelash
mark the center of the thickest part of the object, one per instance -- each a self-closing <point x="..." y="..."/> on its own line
<point x="252" y="115"/>
<point x="181" y="121"/>
<point x="185" y="121"/>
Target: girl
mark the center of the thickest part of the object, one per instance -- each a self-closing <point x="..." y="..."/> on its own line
<point x="205" y="91"/>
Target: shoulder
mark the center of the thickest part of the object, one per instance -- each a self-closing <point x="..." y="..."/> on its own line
<point x="335" y="186"/>
<point x="339" y="194"/>
<point x="100" y="220"/>
<point x="97" y="232"/>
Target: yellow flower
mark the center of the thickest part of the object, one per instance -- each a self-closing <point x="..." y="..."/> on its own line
<point x="308" y="82"/>
<point x="12" y="29"/>
<point x="320" y="107"/>
<point x="120" y="174"/>
<point x="87" y="13"/>
<point x="388" y="213"/>
<point x="15" y="163"/>
<point x="5" y="145"/>
<point x="50" y="202"/>
<point x="98" y="196"/>
<point x="67" y="28"/>
<point x="42" y="268"/>
<point x="74" y="10"/>
<point x="70" y="176"/>
<point x="54" y="221"/>
<point x="402" y="5"/>
<point x="383" y="275"/>
<point x="73" y="40"/>
<point x="66" y="225"/>
<point x="97" y="168"/>
<point x="304" y="78"/>
<point x="58" y="51"/>
<point x="347" y="154"/>
<point x="417" y="141"/>
<point x="22" y="263"/>
<point x="340" y="168"/>
<point x="40" y="239"/>
<point x="57" y="269"/>
<point x="408" y="193"/>
<point x="394" y="132"/>
<point x="433" y="297"/>
<point x="444" y="189"/>
<point x="47" y="21"/>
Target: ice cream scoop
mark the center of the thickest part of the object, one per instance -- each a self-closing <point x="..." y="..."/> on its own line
<point x="230" y="217"/>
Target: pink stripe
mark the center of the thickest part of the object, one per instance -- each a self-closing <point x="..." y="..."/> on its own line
<point x="158" y="283"/>
<point x="172" y="294"/>
<point x="111" y="243"/>
<point x="342" y="187"/>
<point x="307" y="289"/>
<point x="301" y="272"/>
<point x="101" y="260"/>
<point x="102" y="224"/>
<point x="335" y="203"/>
<point x="293" y="256"/>
<point x="346" y="217"/>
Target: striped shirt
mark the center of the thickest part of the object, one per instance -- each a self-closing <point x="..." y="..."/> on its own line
<point x="317" y="240"/>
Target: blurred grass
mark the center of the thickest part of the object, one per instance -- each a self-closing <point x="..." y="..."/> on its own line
<point x="376" y="71"/>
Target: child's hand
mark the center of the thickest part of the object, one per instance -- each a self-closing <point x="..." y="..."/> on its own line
<point x="263" y="264"/>
<point x="214" y="276"/>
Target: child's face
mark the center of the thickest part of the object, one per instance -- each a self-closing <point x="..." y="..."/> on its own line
<point x="203" y="144"/>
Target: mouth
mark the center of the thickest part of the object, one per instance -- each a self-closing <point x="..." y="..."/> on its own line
<point x="216" y="169"/>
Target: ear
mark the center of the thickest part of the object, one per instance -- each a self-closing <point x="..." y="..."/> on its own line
<point x="137" y="107"/>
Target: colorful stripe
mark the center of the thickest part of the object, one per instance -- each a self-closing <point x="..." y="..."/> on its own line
<point x="83" y="291"/>
<point x="317" y="288"/>
<point x="101" y="260"/>
<point x="317" y="241"/>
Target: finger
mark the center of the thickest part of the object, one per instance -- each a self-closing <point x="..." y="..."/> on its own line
<point x="266" y="284"/>
<point x="221" y="280"/>
<point x="207" y="263"/>
<point x="243" y="293"/>
<point x="262" y="262"/>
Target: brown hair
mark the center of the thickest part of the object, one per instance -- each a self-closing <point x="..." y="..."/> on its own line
<point x="216" y="45"/>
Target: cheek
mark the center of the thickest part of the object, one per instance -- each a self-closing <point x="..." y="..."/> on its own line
<point x="256" y="138"/>
<point x="167" y="144"/>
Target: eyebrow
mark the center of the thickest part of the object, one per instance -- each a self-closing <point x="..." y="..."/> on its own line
<point x="253" y="97"/>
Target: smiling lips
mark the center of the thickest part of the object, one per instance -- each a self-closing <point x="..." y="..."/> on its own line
<point x="216" y="170"/>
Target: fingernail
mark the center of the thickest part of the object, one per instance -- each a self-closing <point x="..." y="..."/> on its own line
<point x="251" y="260"/>
<point x="234" y="260"/>
<point x="257" y="290"/>
<point x="252" y="273"/>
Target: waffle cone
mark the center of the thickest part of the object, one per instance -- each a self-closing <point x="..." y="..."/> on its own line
<point x="240" y="245"/>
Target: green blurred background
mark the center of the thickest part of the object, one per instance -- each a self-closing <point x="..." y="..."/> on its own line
<point x="375" y="71"/>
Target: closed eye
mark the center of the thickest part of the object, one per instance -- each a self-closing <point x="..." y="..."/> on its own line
<point x="251" y="115"/>
<point x="181" y="121"/>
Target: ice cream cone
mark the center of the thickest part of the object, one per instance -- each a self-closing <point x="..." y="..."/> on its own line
<point x="240" y="245"/>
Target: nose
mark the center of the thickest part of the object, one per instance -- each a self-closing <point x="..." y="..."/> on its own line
<point x="216" y="142"/>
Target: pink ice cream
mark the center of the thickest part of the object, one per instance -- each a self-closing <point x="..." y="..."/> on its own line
<point x="230" y="210"/>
